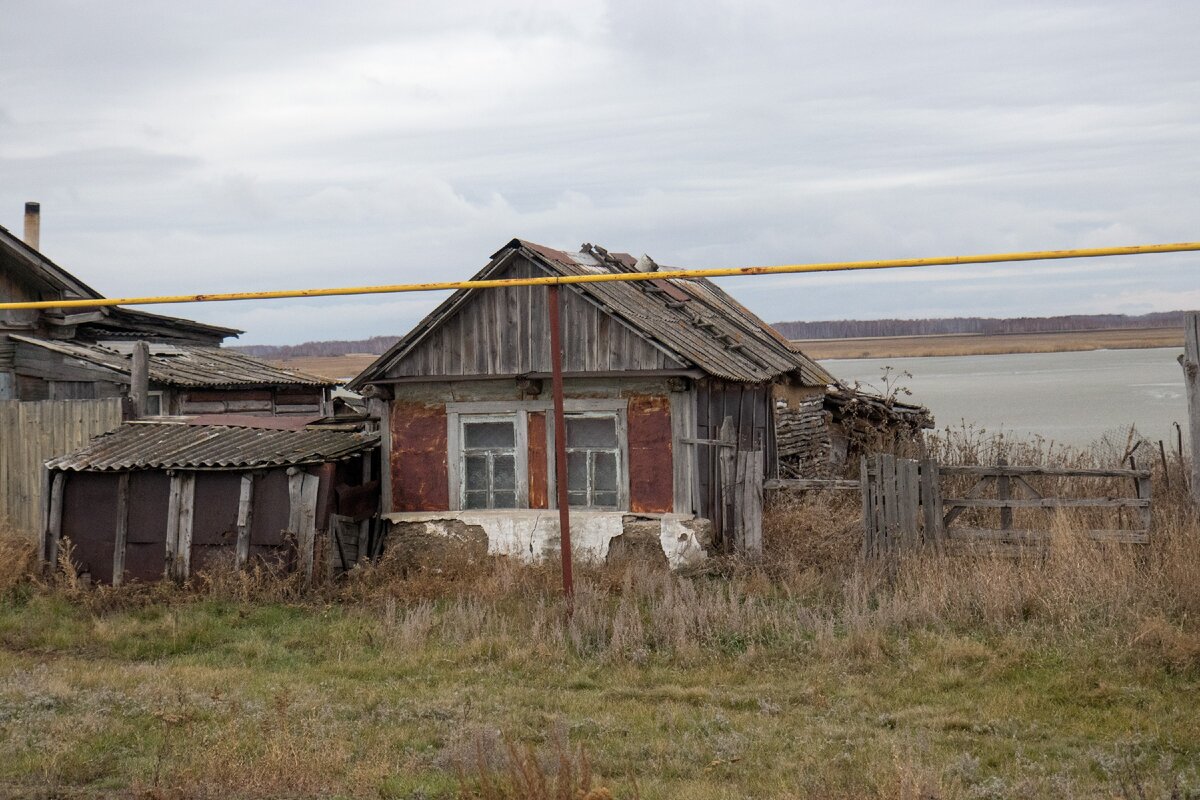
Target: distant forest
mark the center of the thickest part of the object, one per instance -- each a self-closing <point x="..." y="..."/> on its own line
<point x="833" y="329"/>
<point x="856" y="328"/>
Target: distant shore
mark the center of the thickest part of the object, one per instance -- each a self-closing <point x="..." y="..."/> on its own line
<point x="966" y="344"/>
<point x="973" y="344"/>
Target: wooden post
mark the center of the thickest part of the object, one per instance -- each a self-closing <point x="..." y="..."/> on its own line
<point x="749" y="503"/>
<point x="1004" y="492"/>
<point x="54" y="519"/>
<point x="1191" y="380"/>
<point x="122" y="531"/>
<point x="560" y="447"/>
<point x="931" y="503"/>
<point x="725" y="459"/>
<point x="139" y="378"/>
<point x="245" y="519"/>
<point x="179" y="525"/>
<point x="868" y="510"/>
<point x="302" y="518"/>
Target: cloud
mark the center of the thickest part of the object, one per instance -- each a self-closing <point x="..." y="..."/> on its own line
<point x="271" y="145"/>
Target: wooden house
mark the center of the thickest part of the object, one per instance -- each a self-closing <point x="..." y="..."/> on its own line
<point x="84" y="353"/>
<point x="671" y="395"/>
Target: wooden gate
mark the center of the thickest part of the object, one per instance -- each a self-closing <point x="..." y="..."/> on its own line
<point x="903" y="506"/>
<point x="900" y="504"/>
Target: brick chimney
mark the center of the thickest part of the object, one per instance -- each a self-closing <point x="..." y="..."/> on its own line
<point x="33" y="224"/>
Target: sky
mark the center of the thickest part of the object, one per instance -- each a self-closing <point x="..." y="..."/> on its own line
<point x="244" y="146"/>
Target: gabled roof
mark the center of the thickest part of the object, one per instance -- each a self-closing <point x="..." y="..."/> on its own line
<point x="42" y="270"/>
<point x="180" y="445"/>
<point x="43" y="273"/>
<point x="183" y="365"/>
<point x="693" y="319"/>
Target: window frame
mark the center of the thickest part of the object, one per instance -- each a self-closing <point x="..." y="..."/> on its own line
<point x="595" y="408"/>
<point x="457" y="455"/>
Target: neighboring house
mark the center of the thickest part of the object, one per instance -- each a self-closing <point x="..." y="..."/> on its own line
<point x="653" y="370"/>
<point x="58" y="354"/>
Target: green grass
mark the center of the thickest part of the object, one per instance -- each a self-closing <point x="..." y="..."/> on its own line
<point x="220" y="698"/>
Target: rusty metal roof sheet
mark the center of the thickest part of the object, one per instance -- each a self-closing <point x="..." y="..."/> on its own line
<point x="691" y="318"/>
<point x="171" y="445"/>
<point x="184" y="364"/>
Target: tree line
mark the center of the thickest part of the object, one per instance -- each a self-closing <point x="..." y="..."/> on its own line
<point x="828" y="329"/>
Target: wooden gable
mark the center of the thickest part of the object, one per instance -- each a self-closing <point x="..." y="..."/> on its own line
<point x="506" y="332"/>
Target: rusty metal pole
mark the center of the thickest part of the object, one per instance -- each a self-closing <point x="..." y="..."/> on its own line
<point x="560" y="447"/>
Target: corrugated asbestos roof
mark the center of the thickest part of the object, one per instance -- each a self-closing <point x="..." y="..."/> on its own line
<point x="159" y="445"/>
<point x="186" y="365"/>
<point x="692" y="318"/>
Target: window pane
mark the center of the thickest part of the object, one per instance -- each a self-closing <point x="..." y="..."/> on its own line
<point x="477" y="477"/>
<point x="475" y="500"/>
<point x="604" y="472"/>
<point x="504" y="500"/>
<point x="577" y="498"/>
<point x="488" y="434"/>
<point x="504" y="473"/>
<point x="577" y="472"/>
<point x="591" y="432"/>
<point x="604" y="499"/>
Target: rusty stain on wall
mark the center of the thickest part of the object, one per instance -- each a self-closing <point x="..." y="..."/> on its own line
<point x="539" y="481"/>
<point x="651" y="487"/>
<point x="420" y="477"/>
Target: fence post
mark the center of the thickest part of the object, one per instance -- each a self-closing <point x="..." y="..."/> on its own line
<point x="1004" y="492"/>
<point x="868" y="508"/>
<point x="1190" y="360"/>
<point x="931" y="503"/>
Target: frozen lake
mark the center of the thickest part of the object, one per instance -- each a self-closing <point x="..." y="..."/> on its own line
<point x="1073" y="398"/>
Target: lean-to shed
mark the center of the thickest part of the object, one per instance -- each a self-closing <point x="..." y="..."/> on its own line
<point x="169" y="498"/>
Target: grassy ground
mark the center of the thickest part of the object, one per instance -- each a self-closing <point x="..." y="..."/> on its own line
<point x="1075" y="675"/>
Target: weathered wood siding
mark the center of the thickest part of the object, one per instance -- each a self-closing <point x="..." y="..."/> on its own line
<point x="505" y="332"/>
<point x="750" y="406"/>
<point x="32" y="433"/>
<point x="252" y="402"/>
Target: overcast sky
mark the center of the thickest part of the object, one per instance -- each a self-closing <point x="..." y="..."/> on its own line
<point x="228" y="146"/>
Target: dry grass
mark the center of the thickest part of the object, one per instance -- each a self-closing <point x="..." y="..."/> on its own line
<point x="1068" y="674"/>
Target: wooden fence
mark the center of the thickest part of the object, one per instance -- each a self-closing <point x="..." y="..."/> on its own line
<point x="903" y="506"/>
<point x="32" y="433"/>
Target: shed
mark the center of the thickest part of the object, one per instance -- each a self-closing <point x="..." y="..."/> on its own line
<point x="671" y="388"/>
<point x="169" y="498"/>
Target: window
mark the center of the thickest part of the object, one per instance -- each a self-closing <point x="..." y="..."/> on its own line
<point x="593" y="461"/>
<point x="489" y="461"/>
<point x="154" y="401"/>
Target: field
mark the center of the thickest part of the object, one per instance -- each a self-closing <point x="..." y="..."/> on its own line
<point x="980" y="344"/>
<point x="812" y="675"/>
<point x="345" y="367"/>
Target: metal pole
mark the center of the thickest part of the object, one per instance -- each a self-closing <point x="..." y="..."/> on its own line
<point x="560" y="448"/>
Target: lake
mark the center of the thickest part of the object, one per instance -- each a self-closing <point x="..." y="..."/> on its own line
<point x="1073" y="398"/>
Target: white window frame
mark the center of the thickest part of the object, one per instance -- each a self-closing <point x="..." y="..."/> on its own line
<point x="619" y="451"/>
<point x="597" y="408"/>
<point x="162" y="400"/>
<point x="456" y="460"/>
